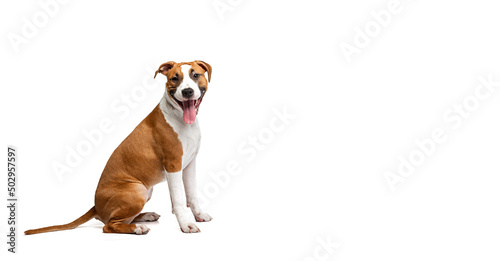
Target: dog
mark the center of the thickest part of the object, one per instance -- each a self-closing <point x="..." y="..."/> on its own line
<point x="162" y="147"/>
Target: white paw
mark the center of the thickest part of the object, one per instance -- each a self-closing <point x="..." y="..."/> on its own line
<point x="150" y="216"/>
<point x="202" y="217"/>
<point x="189" y="228"/>
<point x="141" y="229"/>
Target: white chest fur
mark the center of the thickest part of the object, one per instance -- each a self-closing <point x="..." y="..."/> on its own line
<point x="188" y="134"/>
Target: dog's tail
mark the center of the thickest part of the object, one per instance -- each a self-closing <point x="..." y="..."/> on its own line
<point x="86" y="217"/>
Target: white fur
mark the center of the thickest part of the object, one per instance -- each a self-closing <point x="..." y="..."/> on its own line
<point x="189" y="135"/>
<point x="148" y="217"/>
<point x="189" y="179"/>
<point x="187" y="82"/>
<point x="186" y="221"/>
<point x="141" y="229"/>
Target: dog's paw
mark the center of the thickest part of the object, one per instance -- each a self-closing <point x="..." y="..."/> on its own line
<point x="141" y="229"/>
<point x="189" y="228"/>
<point x="150" y="216"/>
<point x="202" y="217"/>
<point x="147" y="217"/>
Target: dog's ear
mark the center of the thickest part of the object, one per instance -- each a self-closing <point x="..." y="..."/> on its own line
<point x="163" y="69"/>
<point x="205" y="66"/>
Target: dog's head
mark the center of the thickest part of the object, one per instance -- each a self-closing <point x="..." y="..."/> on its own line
<point x="186" y="85"/>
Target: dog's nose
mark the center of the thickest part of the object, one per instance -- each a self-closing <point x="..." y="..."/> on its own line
<point x="187" y="93"/>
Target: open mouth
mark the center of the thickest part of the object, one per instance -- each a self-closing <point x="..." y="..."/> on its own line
<point x="189" y="108"/>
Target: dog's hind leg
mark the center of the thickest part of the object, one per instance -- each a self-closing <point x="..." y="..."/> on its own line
<point x="146" y="217"/>
<point x="123" y="208"/>
<point x="117" y="226"/>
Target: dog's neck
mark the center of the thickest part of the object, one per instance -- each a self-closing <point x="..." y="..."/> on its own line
<point x="172" y="114"/>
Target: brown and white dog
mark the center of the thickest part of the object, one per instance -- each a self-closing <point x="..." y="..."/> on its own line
<point x="162" y="147"/>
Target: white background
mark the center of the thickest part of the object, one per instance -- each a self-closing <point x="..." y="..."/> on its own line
<point x="320" y="178"/>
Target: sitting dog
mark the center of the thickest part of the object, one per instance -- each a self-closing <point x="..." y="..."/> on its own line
<point x="162" y="147"/>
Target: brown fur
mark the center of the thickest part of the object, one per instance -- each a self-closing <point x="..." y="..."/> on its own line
<point x="136" y="166"/>
<point x="86" y="217"/>
<point x="171" y="69"/>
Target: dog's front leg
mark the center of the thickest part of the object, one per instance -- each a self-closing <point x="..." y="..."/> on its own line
<point x="189" y="178"/>
<point x="185" y="220"/>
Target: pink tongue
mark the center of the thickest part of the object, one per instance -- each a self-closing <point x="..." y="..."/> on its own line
<point x="189" y="111"/>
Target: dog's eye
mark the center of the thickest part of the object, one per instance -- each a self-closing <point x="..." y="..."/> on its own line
<point x="196" y="75"/>
<point x="174" y="79"/>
